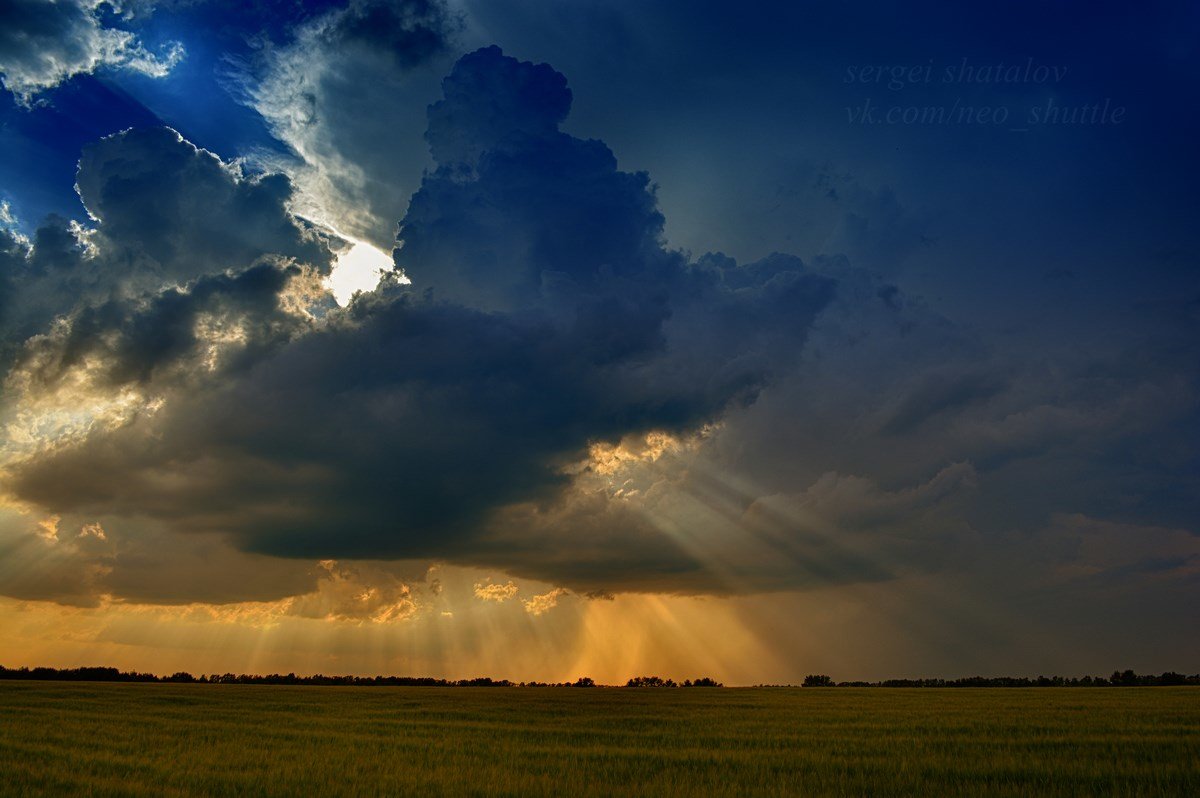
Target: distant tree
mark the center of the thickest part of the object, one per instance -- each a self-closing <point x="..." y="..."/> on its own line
<point x="704" y="681"/>
<point x="1126" y="678"/>
<point x="584" y="681"/>
<point x="817" y="680"/>
<point x="650" y="681"/>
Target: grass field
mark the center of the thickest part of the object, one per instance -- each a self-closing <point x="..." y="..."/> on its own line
<point x="158" y="739"/>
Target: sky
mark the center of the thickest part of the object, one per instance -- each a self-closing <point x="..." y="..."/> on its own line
<point x="540" y="339"/>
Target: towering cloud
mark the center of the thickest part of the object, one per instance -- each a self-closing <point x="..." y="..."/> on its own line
<point x="545" y="316"/>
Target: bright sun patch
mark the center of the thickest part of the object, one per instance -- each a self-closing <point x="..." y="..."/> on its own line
<point x="357" y="269"/>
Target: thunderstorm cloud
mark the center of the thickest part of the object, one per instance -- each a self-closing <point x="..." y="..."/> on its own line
<point x="651" y="331"/>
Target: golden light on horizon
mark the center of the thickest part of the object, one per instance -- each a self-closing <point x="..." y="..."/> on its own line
<point x="549" y="635"/>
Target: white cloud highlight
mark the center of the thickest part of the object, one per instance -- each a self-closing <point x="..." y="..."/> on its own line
<point x="44" y="43"/>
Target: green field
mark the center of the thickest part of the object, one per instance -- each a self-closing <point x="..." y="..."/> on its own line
<point x="159" y="739"/>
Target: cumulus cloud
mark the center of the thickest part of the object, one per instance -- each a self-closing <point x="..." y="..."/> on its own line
<point x="177" y="211"/>
<point x="491" y="591"/>
<point x="545" y="315"/>
<point x="192" y="269"/>
<point x="346" y="593"/>
<point x="180" y="238"/>
<point x="544" y="602"/>
<point x="347" y="94"/>
<point x="44" y="42"/>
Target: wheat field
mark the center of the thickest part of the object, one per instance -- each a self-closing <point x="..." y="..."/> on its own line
<point x="163" y="739"/>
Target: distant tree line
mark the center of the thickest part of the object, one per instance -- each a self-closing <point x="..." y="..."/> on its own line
<point x="1126" y="678"/>
<point x="656" y="681"/>
<point x="114" y="675"/>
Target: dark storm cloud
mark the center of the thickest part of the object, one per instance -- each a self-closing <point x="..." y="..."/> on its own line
<point x="889" y="390"/>
<point x="694" y="532"/>
<point x="189" y="274"/>
<point x="39" y="280"/>
<point x="167" y="215"/>
<point x="849" y="431"/>
<point x="179" y="211"/>
<point x="136" y="338"/>
<point x="409" y="31"/>
<point x="12" y="253"/>
<point x="524" y="100"/>
<point x="938" y="394"/>
<point x="554" y="318"/>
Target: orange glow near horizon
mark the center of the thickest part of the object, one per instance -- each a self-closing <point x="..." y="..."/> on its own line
<point x="610" y="640"/>
<point x="773" y="638"/>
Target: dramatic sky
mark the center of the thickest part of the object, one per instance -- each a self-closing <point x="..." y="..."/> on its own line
<point x="544" y="339"/>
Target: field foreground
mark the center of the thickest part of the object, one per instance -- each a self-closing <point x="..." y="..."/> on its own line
<point x="157" y="739"/>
